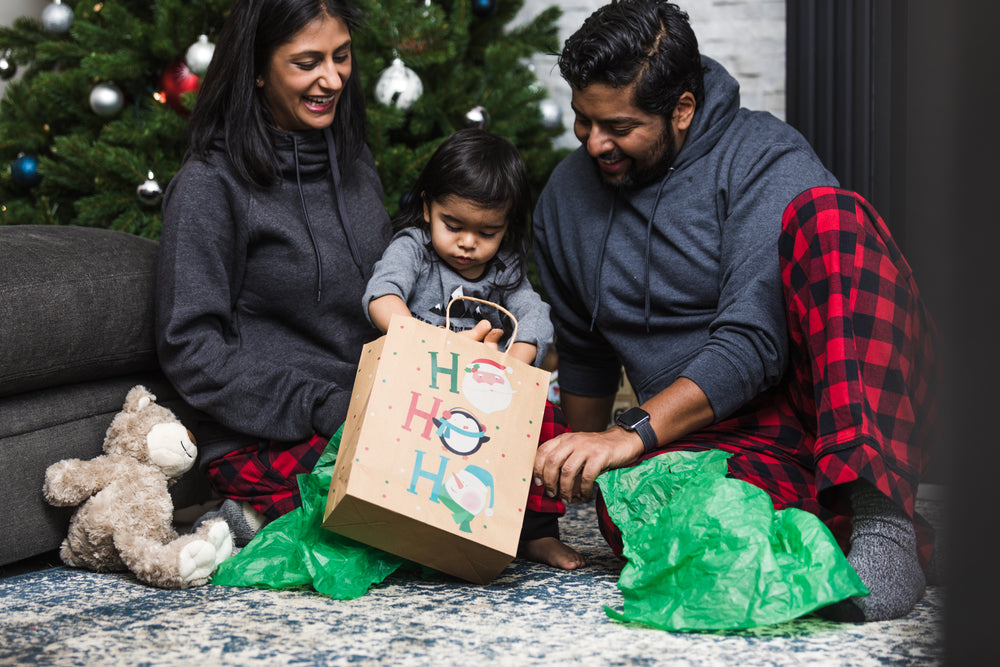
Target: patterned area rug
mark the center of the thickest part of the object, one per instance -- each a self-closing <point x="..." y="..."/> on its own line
<point x="531" y="614"/>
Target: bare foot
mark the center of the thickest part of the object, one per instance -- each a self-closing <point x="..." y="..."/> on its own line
<point x="550" y="551"/>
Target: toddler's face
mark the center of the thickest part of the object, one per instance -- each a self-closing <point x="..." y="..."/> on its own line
<point x="465" y="235"/>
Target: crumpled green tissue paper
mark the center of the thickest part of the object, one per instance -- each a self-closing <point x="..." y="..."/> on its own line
<point x="707" y="552"/>
<point x="295" y="551"/>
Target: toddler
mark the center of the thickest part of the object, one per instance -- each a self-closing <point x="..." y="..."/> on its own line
<point x="463" y="232"/>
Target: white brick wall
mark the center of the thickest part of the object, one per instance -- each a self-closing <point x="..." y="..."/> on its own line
<point x="747" y="36"/>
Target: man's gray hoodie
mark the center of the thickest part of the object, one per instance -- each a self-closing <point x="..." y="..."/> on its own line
<point x="678" y="278"/>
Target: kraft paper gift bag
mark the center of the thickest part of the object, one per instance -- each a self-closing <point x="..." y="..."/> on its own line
<point x="437" y="450"/>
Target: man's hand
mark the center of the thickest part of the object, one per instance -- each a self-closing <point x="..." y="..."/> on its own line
<point x="568" y="464"/>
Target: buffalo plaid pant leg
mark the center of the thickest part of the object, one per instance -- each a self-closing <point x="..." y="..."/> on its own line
<point x="863" y="348"/>
<point x="768" y="448"/>
<point x="857" y="403"/>
<point x="265" y="474"/>
<point x="541" y="516"/>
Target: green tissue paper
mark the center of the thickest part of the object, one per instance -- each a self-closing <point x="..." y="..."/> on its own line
<point x="707" y="552"/>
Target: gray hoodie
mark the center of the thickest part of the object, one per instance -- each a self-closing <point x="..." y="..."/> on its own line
<point x="411" y="270"/>
<point x="259" y="322"/>
<point x="678" y="278"/>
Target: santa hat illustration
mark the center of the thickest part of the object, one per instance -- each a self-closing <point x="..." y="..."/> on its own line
<point x="487" y="370"/>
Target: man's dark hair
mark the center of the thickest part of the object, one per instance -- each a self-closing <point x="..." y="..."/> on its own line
<point x="229" y="106"/>
<point x="649" y="42"/>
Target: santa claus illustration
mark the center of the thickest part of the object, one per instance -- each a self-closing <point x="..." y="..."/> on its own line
<point x="486" y="386"/>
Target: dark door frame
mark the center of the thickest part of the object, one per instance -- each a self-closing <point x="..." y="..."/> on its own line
<point x="846" y="91"/>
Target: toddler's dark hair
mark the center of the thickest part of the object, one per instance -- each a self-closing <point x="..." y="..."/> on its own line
<point x="481" y="167"/>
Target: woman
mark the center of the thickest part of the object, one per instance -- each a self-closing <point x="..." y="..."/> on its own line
<point x="270" y="230"/>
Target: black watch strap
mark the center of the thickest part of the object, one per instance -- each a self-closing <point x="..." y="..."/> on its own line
<point x="637" y="420"/>
<point x="648" y="436"/>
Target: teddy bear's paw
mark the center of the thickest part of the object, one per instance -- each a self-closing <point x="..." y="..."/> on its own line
<point x="222" y="539"/>
<point x="196" y="561"/>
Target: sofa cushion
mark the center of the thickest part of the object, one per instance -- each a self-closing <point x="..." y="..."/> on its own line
<point x="76" y="304"/>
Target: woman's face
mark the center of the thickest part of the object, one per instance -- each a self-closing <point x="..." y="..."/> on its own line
<point x="306" y="75"/>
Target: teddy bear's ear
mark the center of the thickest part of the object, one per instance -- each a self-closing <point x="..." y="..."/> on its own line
<point x="138" y="398"/>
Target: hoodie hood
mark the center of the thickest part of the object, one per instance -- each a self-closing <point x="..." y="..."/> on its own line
<point x="711" y="120"/>
<point x="301" y="155"/>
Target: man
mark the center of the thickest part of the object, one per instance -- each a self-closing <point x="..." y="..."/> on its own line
<point x="755" y="307"/>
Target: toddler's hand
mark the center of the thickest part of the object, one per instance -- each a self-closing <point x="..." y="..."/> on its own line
<point x="484" y="333"/>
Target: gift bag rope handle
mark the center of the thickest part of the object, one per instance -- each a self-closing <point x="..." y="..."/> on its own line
<point x="447" y="315"/>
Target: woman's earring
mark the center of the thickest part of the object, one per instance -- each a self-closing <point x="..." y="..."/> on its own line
<point x="260" y="81"/>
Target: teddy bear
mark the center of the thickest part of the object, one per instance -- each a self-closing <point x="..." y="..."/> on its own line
<point x="125" y="516"/>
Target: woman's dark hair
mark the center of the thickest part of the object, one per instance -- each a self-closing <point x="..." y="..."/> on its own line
<point x="646" y="41"/>
<point x="230" y="106"/>
<point x="484" y="168"/>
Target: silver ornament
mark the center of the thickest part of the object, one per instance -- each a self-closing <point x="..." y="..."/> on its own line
<point x="398" y="86"/>
<point x="551" y="114"/>
<point x="149" y="192"/>
<point x="8" y="68"/>
<point x="477" y="116"/>
<point x="106" y="100"/>
<point x="57" y="17"/>
<point x="199" y="55"/>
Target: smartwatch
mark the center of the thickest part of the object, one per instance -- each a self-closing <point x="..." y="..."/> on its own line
<point x="636" y="420"/>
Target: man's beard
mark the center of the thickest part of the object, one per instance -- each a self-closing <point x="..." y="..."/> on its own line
<point x="637" y="177"/>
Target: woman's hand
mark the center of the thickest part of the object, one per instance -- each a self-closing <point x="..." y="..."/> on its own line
<point x="568" y="464"/>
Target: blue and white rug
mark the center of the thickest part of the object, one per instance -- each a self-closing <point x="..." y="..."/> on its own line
<point x="532" y="614"/>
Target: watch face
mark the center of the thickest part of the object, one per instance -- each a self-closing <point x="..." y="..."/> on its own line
<point x="632" y="418"/>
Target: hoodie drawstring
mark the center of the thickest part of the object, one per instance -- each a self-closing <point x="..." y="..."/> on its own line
<point x="305" y="213"/>
<point x="649" y="236"/>
<point x="604" y="244"/>
<point x="352" y="243"/>
<point x="600" y="261"/>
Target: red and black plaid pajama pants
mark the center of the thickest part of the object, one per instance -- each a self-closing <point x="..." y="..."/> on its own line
<point x="858" y="401"/>
<point x="264" y="475"/>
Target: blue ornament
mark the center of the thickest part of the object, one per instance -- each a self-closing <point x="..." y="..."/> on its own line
<point x="485" y="8"/>
<point x="25" y="171"/>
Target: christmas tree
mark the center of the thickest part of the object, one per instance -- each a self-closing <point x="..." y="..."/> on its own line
<point x="93" y="130"/>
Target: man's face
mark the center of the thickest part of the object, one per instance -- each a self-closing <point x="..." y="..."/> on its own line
<point x="630" y="147"/>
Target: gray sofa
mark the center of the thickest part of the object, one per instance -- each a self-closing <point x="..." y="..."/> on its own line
<point x="76" y="333"/>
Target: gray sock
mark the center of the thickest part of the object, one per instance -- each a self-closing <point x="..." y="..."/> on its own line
<point x="884" y="554"/>
<point x="243" y="520"/>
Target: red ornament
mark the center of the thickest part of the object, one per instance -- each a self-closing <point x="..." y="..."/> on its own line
<point x="176" y="80"/>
